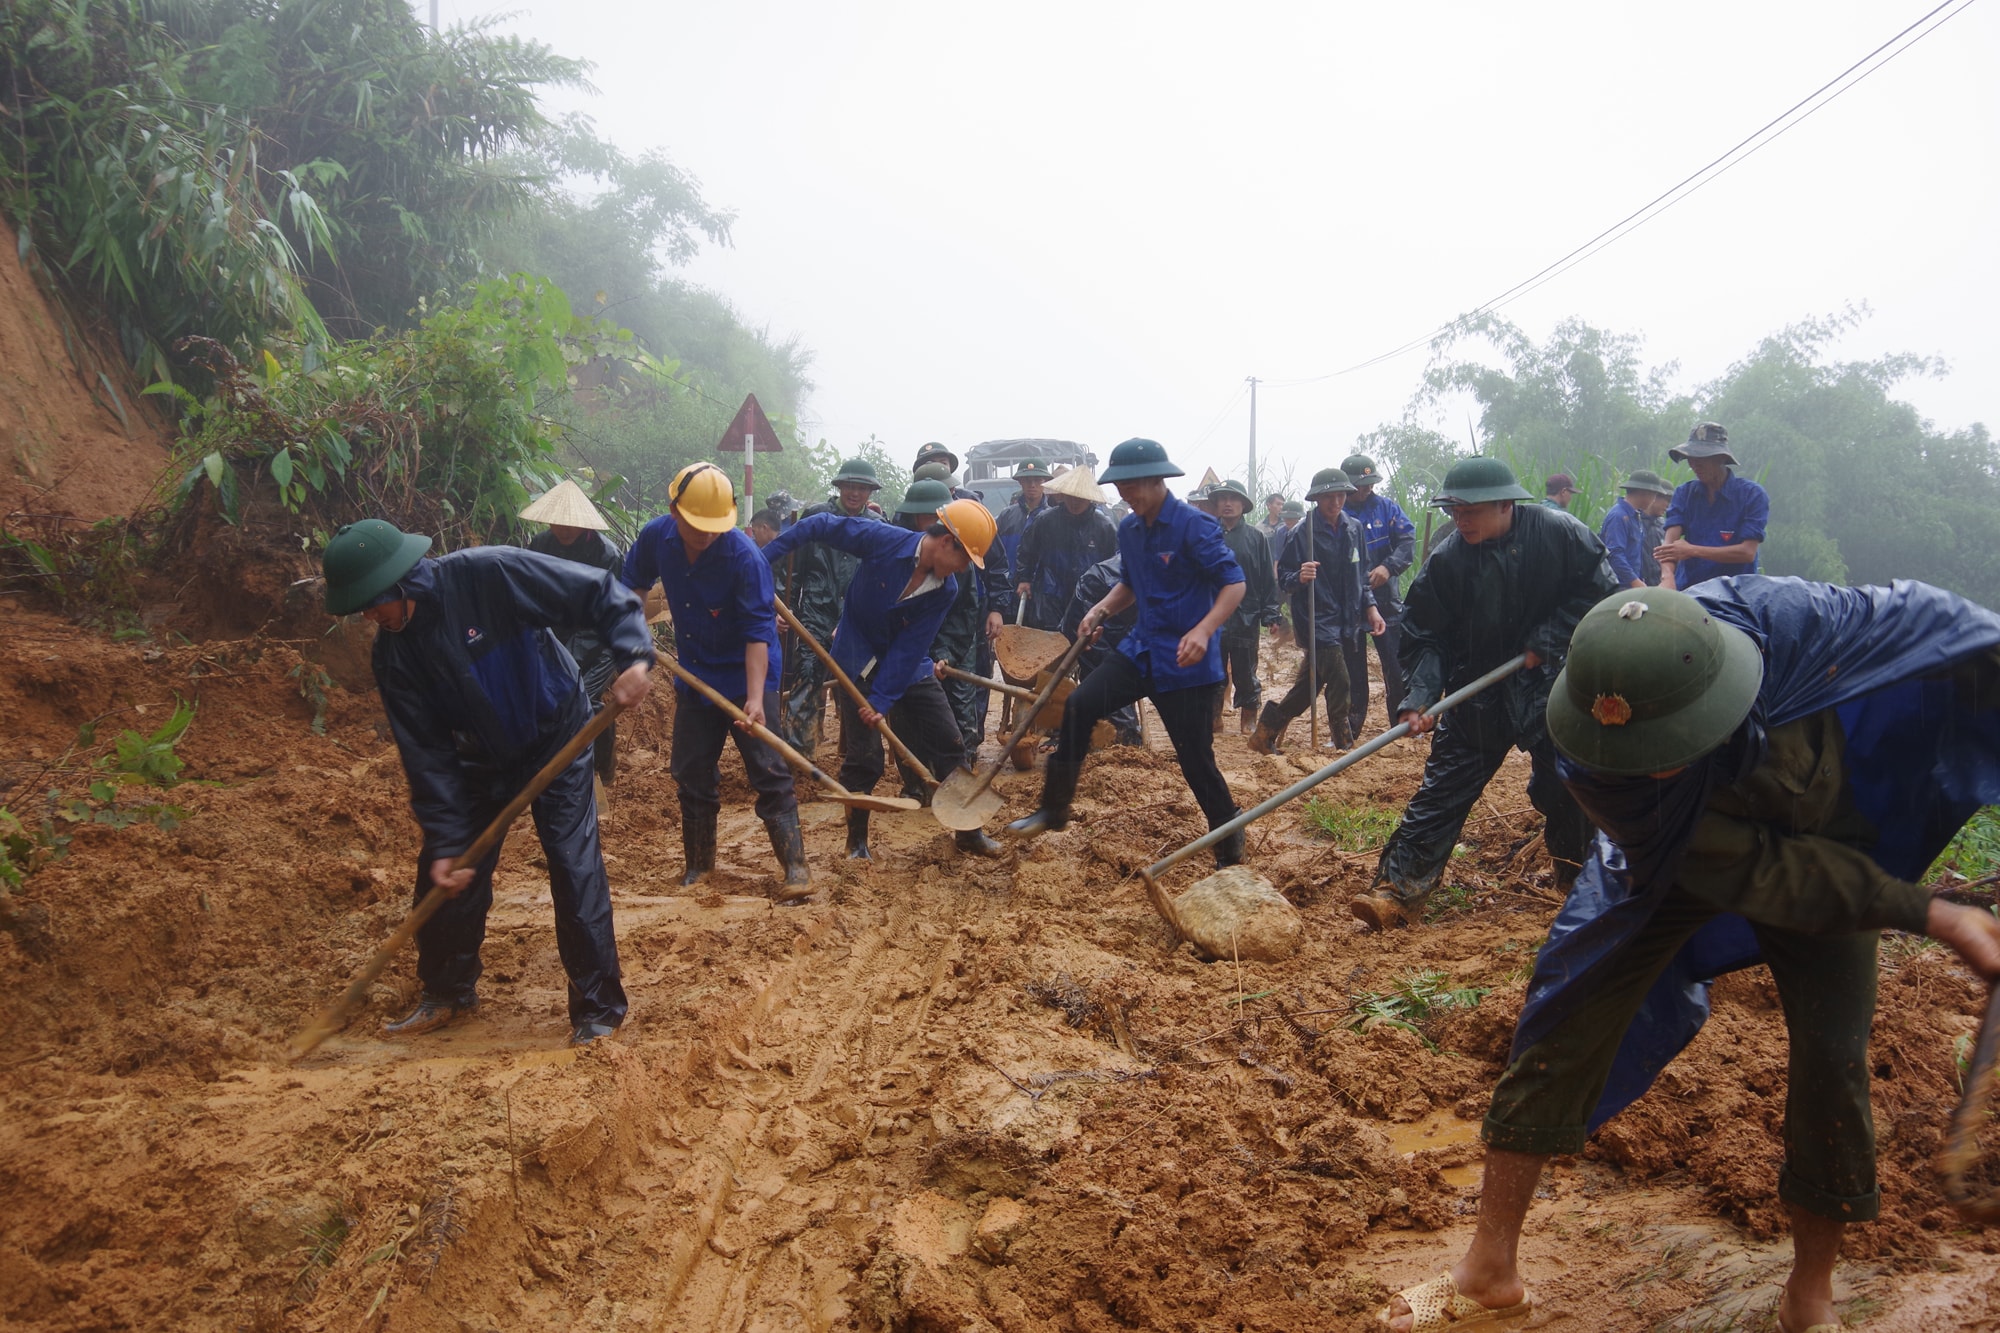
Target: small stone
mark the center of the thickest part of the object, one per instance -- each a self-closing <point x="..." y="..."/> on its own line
<point x="998" y="1227"/>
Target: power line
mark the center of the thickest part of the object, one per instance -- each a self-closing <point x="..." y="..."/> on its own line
<point x="1221" y="416"/>
<point x="1761" y="138"/>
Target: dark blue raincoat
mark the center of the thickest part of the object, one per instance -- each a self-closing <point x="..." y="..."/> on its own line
<point x="1921" y="761"/>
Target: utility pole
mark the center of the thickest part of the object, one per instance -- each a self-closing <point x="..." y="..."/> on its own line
<point x="434" y="15"/>
<point x="1252" y="482"/>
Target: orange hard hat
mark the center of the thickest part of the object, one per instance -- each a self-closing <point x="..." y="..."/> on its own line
<point x="971" y="523"/>
<point x="702" y="498"/>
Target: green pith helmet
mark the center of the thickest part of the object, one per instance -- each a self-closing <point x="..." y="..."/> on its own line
<point x="857" y="470"/>
<point x="1361" y="470"/>
<point x="1645" y="480"/>
<point x="365" y="560"/>
<point x="1708" y="440"/>
<point x="1477" y="479"/>
<point x="925" y="497"/>
<point x="1138" y="459"/>
<point x="1653" y="682"/>
<point x="1235" y="488"/>
<point x="932" y="472"/>
<point x="937" y="453"/>
<point x="1329" y="481"/>
<point x="1032" y="470"/>
<point x="1292" y="509"/>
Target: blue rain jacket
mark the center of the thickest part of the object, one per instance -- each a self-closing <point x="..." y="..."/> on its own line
<point x="1392" y="544"/>
<point x="1921" y="761"/>
<point x="1175" y="566"/>
<point x="1741" y="511"/>
<point x="478" y="689"/>
<point x="1624" y="538"/>
<point x="1340" y="595"/>
<point x="883" y="641"/>
<point x="721" y="603"/>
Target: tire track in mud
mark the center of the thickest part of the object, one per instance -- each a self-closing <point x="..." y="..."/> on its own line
<point x="797" y="1090"/>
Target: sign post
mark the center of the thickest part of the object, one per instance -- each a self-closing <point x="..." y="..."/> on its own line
<point x="749" y="434"/>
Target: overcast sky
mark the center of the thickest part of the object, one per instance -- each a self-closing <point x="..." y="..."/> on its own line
<point x="1093" y="220"/>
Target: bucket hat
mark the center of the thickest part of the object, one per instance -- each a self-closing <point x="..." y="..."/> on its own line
<point x="1646" y="480"/>
<point x="1477" y="479"/>
<point x="1138" y="459"/>
<point x="565" y="505"/>
<point x="1653" y="682"/>
<point x="1329" y="481"/>
<point x="1708" y="440"/>
<point x="365" y="560"/>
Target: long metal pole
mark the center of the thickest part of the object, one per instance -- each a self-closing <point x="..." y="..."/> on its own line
<point x="1312" y="633"/>
<point x="1253" y="439"/>
<point x="1352" y="757"/>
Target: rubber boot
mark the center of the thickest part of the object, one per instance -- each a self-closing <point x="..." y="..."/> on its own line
<point x="974" y="842"/>
<point x="1229" y="852"/>
<point x="1387" y="907"/>
<point x="789" y="844"/>
<point x="1058" y="790"/>
<point x="1247" y="720"/>
<point x="857" y="835"/>
<point x="1264" y="740"/>
<point x="698" y="844"/>
<point x="430" y="1014"/>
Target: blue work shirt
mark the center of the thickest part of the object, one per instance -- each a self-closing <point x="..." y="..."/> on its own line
<point x="1392" y="544"/>
<point x="1174" y="566"/>
<point x="1741" y="512"/>
<point x="721" y="602"/>
<point x="1624" y="538"/>
<point x="883" y="641"/>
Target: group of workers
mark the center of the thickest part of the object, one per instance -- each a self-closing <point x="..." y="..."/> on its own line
<point x="1714" y="786"/>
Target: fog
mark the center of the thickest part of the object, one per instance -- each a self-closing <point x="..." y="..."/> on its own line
<point x="1094" y="220"/>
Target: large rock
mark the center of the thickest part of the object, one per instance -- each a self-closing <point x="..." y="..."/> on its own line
<point x="1235" y="913"/>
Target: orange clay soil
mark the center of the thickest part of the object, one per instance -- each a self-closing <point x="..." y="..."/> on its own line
<point x="947" y="1095"/>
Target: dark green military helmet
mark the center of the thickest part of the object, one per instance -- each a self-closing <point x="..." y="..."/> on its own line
<point x="932" y="471"/>
<point x="1235" y="488"/>
<point x="937" y="453"/>
<point x="1478" y="479"/>
<point x="1361" y="470"/>
<point x="1653" y="682"/>
<point x="857" y="470"/>
<point x="1032" y="469"/>
<point x="1645" y="479"/>
<point x="1138" y="459"/>
<point x="1292" y="509"/>
<point x="365" y="560"/>
<point x="1708" y="440"/>
<point x="1329" y="481"/>
<point x="925" y="497"/>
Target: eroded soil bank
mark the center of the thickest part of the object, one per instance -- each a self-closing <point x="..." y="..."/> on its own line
<point x="947" y="1096"/>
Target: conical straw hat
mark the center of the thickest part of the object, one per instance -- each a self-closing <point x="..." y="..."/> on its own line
<point x="1077" y="483"/>
<point x="567" y="505"/>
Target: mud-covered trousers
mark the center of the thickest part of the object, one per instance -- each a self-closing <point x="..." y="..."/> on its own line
<point x="1356" y="657"/>
<point x="700" y="730"/>
<point x="1331" y="670"/>
<point x="921" y="720"/>
<point x="1826" y="984"/>
<point x="1466" y="751"/>
<point x="1118" y="682"/>
<point x="565" y="816"/>
<point x="1241" y="652"/>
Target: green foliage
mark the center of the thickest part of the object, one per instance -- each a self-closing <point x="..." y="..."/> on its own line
<point x="1352" y="828"/>
<point x="1974" y="853"/>
<point x="446" y="428"/>
<point x="314" y="683"/>
<point x="1412" y="1000"/>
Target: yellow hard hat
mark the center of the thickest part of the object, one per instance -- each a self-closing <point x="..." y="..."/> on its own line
<point x="972" y="525"/>
<point x="702" y="498"/>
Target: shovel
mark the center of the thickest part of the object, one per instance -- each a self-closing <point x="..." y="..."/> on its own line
<point x="1151" y="873"/>
<point x="1025" y="653"/>
<point x="335" y="1015"/>
<point x="856" y="800"/>
<point x="1050" y="715"/>
<point x="895" y="743"/>
<point x="965" y="802"/>
<point x="1961" y="1152"/>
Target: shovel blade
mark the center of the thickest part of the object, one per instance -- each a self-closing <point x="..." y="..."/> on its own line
<point x="957" y="808"/>
<point x="1023" y="653"/>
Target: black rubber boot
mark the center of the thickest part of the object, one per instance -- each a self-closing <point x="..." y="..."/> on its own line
<point x="857" y="836"/>
<point x="1058" y="790"/>
<point x="585" y="1033"/>
<point x="974" y="842"/>
<point x="430" y="1014"/>
<point x="1269" y="732"/>
<point x="698" y="844"/>
<point x="790" y="846"/>
<point x="1229" y="852"/>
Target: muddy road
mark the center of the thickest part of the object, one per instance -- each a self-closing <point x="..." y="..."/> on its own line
<point x="943" y="1096"/>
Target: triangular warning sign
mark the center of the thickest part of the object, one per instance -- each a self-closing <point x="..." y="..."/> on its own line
<point x="1208" y="479"/>
<point x="751" y="421"/>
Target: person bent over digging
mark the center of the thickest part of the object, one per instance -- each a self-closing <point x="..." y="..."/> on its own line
<point x="1512" y="578"/>
<point x="1335" y="577"/>
<point x="903" y="587"/>
<point x="1177" y="570"/>
<point x="480" y="695"/>
<point x="719" y="593"/>
<point x="1770" y="763"/>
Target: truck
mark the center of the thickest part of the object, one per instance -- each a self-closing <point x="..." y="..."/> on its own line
<point x="989" y="467"/>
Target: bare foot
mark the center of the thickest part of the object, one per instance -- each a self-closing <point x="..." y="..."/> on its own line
<point x="1494" y="1291"/>
<point x="1797" y="1313"/>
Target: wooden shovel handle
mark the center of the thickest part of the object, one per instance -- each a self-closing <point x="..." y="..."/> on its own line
<point x="757" y="729"/>
<point x="895" y="742"/>
<point x="1961" y="1151"/>
<point x="1028" y="717"/>
<point x="998" y="687"/>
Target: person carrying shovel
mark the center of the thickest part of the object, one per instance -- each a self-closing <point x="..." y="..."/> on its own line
<point x="903" y="586"/>
<point x="726" y="633"/>
<point x="480" y="694"/>
<point x="1512" y="578"/>
<point x="1772" y="763"/>
<point x="1179" y="573"/>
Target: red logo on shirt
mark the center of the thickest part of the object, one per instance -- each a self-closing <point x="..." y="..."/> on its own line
<point x="1166" y="557"/>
